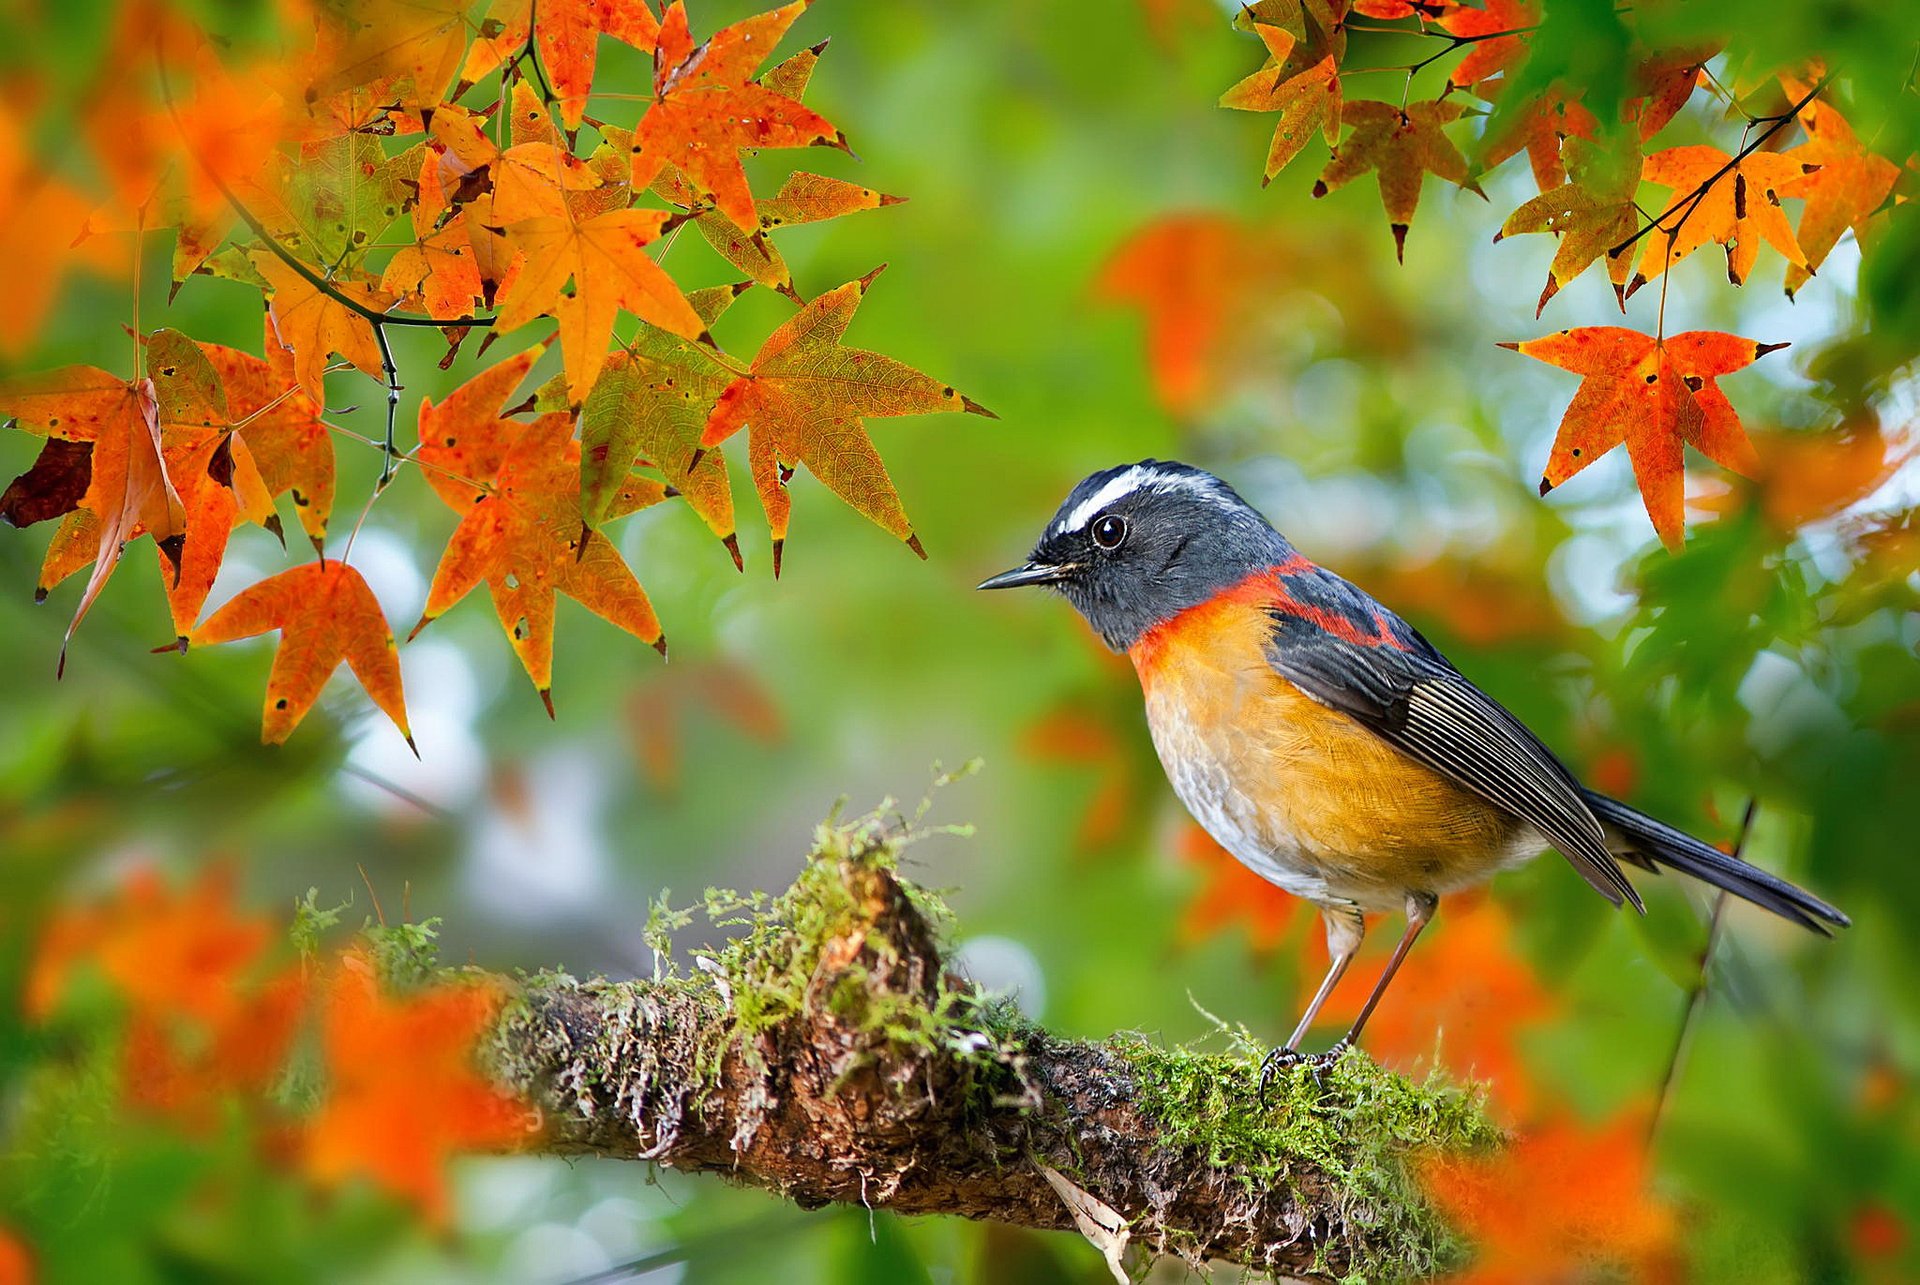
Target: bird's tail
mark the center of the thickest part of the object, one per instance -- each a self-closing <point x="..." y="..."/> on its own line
<point x="1659" y="844"/>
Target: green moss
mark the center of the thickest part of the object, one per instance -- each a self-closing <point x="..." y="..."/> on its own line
<point x="770" y="969"/>
<point x="1354" y="1127"/>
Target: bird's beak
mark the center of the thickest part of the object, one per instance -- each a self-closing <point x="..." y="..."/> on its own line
<point x="1031" y="574"/>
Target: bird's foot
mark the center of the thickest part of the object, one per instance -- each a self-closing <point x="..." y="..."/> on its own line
<point x="1317" y="1063"/>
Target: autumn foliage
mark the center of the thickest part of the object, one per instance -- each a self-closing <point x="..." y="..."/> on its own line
<point x="388" y="165"/>
<point x="217" y="1017"/>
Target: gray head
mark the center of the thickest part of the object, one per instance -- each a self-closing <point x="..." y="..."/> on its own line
<point x="1138" y="544"/>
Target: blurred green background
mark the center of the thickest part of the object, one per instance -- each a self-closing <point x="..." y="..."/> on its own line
<point x="1366" y="409"/>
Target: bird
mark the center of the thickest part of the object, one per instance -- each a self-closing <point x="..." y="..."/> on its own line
<point x="1322" y="740"/>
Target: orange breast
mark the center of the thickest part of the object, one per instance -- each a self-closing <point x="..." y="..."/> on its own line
<point x="1303" y="794"/>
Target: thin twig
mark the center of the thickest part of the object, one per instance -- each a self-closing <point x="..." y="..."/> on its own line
<point x="1686" y="205"/>
<point x="1697" y="994"/>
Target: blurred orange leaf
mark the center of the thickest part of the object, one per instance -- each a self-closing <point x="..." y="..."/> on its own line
<point x="325" y="614"/>
<point x="16" y="1264"/>
<point x="403" y="1094"/>
<point x="1231" y="894"/>
<point x="1471" y="985"/>
<point x="1560" y="1202"/>
<point x="1842" y="183"/>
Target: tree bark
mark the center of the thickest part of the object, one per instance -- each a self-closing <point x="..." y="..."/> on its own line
<point x="829" y="1054"/>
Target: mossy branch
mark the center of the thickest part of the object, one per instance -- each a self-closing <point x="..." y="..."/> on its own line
<point x="828" y="1053"/>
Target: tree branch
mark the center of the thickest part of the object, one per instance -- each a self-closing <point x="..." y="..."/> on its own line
<point x="828" y="1053"/>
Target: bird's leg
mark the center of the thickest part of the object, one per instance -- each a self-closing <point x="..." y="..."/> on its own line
<point x="1346" y="927"/>
<point x="1420" y="908"/>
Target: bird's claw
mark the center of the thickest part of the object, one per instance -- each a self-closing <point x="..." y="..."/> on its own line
<point x="1317" y="1063"/>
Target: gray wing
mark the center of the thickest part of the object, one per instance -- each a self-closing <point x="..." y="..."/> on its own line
<point x="1416" y="701"/>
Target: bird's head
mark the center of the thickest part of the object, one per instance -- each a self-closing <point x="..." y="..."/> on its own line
<point x="1135" y="545"/>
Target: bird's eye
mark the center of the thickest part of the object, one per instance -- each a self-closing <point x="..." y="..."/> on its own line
<point x="1109" y="531"/>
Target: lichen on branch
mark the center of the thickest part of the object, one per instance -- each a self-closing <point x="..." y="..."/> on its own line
<point x="829" y="1052"/>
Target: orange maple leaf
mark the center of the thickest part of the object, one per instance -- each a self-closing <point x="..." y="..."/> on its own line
<point x="1664" y="81"/>
<point x="1497" y="33"/>
<point x="1842" y="183"/>
<point x="420" y="42"/>
<point x="1530" y="1222"/>
<point x="1400" y="148"/>
<point x="279" y="421"/>
<point x="606" y="258"/>
<point x="128" y="489"/>
<point x="1541" y="128"/>
<point x="807" y="399"/>
<point x="312" y="323"/>
<point x="706" y="109"/>
<point x="1739" y="208"/>
<point x="525" y="539"/>
<point x="326" y="614"/>
<point x="403" y="1093"/>
<point x="1591" y="215"/>
<point x="1656" y="395"/>
<point x="1308" y="101"/>
<point x="566" y="34"/>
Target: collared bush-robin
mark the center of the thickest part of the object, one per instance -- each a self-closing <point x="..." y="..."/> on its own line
<point x="1320" y="739"/>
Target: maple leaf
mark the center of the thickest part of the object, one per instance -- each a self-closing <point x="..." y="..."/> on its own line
<point x="802" y="198"/>
<point x="525" y="539"/>
<point x="403" y="1092"/>
<point x="313" y="324"/>
<point x="652" y="403"/>
<point x="280" y="424"/>
<point x="1490" y="52"/>
<point x="128" y="487"/>
<point x="1591" y="215"/>
<point x="335" y="205"/>
<point x="421" y="41"/>
<point x="1842" y="183"/>
<point x="706" y="109"/>
<point x="326" y="614"/>
<point x="169" y="954"/>
<point x="807" y="399"/>
<point x="1318" y="28"/>
<point x="1654" y="394"/>
<point x="606" y="258"/>
<point x="532" y="178"/>
<point x="1400" y="148"/>
<point x="461" y="445"/>
<point x="566" y="34"/>
<point x="1739" y="207"/>
<point x="1540" y="128"/>
<point x="1529" y="1223"/>
<point x="1665" y="80"/>
<point x="1307" y="102"/>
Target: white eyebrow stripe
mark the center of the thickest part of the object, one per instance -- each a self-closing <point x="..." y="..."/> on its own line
<point x="1135" y="479"/>
<point x="1123" y="484"/>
